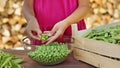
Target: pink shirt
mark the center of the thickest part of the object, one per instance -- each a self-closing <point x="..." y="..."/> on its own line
<point x="49" y="12"/>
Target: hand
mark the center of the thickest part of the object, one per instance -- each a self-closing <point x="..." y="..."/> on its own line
<point x="31" y="27"/>
<point x="57" y="31"/>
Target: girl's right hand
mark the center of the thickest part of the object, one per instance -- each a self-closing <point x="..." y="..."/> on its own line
<point x="32" y="27"/>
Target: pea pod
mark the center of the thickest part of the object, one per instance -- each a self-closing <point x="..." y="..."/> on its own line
<point x="9" y="61"/>
<point x="44" y="37"/>
<point x="110" y="35"/>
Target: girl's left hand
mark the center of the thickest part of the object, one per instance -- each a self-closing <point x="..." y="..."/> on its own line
<point x="57" y="31"/>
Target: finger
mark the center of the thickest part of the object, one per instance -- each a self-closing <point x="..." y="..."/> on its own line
<point x="51" y="39"/>
<point x="26" y="33"/>
<point x="39" y="32"/>
<point x="53" y="31"/>
<point x="47" y="32"/>
<point x="33" y="36"/>
<point x="29" y="34"/>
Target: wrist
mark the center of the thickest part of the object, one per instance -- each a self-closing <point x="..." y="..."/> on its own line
<point x="67" y="23"/>
<point x="32" y="19"/>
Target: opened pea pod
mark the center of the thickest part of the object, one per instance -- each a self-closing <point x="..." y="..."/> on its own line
<point x="44" y="37"/>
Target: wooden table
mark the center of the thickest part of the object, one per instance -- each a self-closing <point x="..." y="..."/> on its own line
<point x="70" y="62"/>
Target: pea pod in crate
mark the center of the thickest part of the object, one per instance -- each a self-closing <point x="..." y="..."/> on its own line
<point x="9" y="61"/>
<point x="110" y="35"/>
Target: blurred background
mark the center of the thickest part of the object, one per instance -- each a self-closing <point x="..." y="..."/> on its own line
<point x="12" y="22"/>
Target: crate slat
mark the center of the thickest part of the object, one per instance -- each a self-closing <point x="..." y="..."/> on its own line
<point x="100" y="47"/>
<point x="95" y="60"/>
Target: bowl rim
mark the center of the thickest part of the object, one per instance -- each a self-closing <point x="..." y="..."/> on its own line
<point x="28" y="46"/>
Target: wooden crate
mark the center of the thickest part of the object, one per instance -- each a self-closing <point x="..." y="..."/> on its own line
<point x="98" y="53"/>
<point x="95" y="60"/>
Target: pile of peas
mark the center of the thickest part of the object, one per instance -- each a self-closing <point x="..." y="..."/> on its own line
<point x="50" y="54"/>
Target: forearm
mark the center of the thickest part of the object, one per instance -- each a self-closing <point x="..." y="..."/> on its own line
<point x="28" y="11"/>
<point x="78" y="14"/>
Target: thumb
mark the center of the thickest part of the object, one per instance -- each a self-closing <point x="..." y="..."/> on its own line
<point x="39" y="32"/>
<point x="48" y="33"/>
<point x="53" y="31"/>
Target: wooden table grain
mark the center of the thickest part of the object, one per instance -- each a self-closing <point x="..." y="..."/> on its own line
<point x="70" y="62"/>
